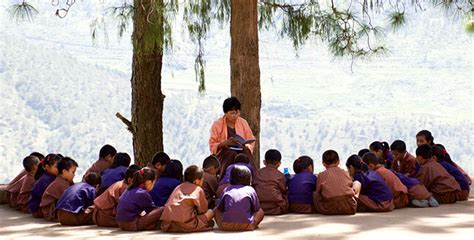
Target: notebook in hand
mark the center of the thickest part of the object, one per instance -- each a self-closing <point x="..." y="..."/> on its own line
<point x="241" y="143"/>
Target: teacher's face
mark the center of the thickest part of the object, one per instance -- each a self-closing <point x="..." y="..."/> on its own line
<point x="232" y="115"/>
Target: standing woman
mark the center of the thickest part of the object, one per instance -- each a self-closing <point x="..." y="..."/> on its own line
<point x="223" y="133"/>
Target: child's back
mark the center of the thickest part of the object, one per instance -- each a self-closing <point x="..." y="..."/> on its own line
<point x="460" y="178"/>
<point x="300" y="192"/>
<point x="25" y="192"/>
<point x="270" y="185"/>
<point x="162" y="190"/>
<point x="439" y="182"/>
<point x="105" y="205"/>
<point x="13" y="188"/>
<point x="111" y="176"/>
<point x="375" y="195"/>
<point x="400" y="191"/>
<point x="76" y="199"/>
<point x="37" y="193"/>
<point x="50" y="197"/>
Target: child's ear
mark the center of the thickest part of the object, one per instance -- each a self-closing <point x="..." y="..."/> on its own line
<point x="265" y="162"/>
<point x="278" y="164"/>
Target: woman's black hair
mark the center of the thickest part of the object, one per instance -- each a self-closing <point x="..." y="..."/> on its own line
<point x="356" y="162"/>
<point x="240" y="175"/>
<point x="121" y="159"/>
<point x="142" y="175"/>
<point x="302" y="163"/>
<point x="230" y="104"/>
<point x="49" y="160"/>
<point x="174" y="169"/>
<point x="65" y="164"/>
<point x="427" y="135"/>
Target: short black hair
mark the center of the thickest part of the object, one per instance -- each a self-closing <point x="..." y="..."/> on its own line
<point x="425" y="151"/>
<point x="230" y="104"/>
<point x="38" y="155"/>
<point x="210" y="161"/>
<point x="369" y="158"/>
<point x="273" y="156"/>
<point x="302" y="163"/>
<point x="356" y="162"/>
<point x="93" y="179"/>
<point x="131" y="170"/>
<point x="376" y="146"/>
<point x="65" y="164"/>
<point x="107" y="150"/>
<point x="29" y="162"/>
<point x="427" y="134"/>
<point x="49" y="160"/>
<point x="240" y="175"/>
<point x="160" y="157"/>
<point x="363" y="151"/>
<point x="399" y="146"/>
<point x="174" y="169"/>
<point x="142" y="175"/>
<point x="330" y="157"/>
<point x="241" y="158"/>
<point x="121" y="159"/>
<point x="193" y="173"/>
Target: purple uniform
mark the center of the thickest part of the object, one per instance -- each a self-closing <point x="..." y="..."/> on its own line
<point x="239" y="204"/>
<point x="133" y="202"/>
<point x="301" y="187"/>
<point x="458" y="175"/>
<point x="162" y="190"/>
<point x="226" y="178"/>
<point x="112" y="175"/>
<point x="38" y="190"/>
<point x="77" y="197"/>
<point x="374" y="186"/>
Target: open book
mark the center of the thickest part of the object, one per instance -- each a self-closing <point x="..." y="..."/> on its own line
<point x="241" y="143"/>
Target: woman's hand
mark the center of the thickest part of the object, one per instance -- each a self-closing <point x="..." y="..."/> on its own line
<point x="228" y="143"/>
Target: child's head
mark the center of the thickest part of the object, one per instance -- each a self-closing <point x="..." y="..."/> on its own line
<point x="330" y="157"/>
<point x="303" y="163"/>
<point x="194" y="174"/>
<point x="272" y="157"/>
<point x="379" y="149"/>
<point x="107" y="152"/>
<point x="363" y="151"/>
<point x="371" y="160"/>
<point x="211" y="165"/>
<point x="354" y="163"/>
<point x="424" y="137"/>
<point x="130" y="172"/>
<point x="240" y="175"/>
<point x="30" y="164"/>
<point x="159" y="161"/>
<point x="439" y="151"/>
<point x="398" y="149"/>
<point x="49" y="165"/>
<point x="424" y="153"/>
<point x="67" y="168"/>
<point x="146" y="177"/>
<point x="38" y="155"/>
<point x="241" y="158"/>
<point x="121" y="159"/>
<point x="174" y="169"/>
<point x="93" y="179"/>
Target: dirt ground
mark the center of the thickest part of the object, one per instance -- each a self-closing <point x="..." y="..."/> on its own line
<point x="453" y="221"/>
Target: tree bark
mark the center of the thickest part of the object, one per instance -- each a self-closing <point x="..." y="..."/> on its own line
<point x="244" y="65"/>
<point x="147" y="98"/>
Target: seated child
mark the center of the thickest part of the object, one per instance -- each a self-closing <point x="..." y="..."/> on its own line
<point x="47" y="172"/>
<point x="168" y="181"/>
<point x="30" y="164"/>
<point x="116" y="172"/>
<point x="186" y="209"/>
<point x="210" y="166"/>
<point x="403" y="161"/>
<point x="158" y="163"/>
<point x="375" y="195"/>
<point x="270" y="185"/>
<point x="399" y="191"/>
<point x="105" y="205"/>
<point x="136" y="210"/>
<point x="382" y="151"/>
<point x="445" y="160"/>
<point x="335" y="192"/>
<point x="425" y="137"/>
<point x="67" y="170"/>
<point x="106" y="159"/>
<point x="436" y="179"/>
<point x="74" y="208"/>
<point x="418" y="195"/>
<point x="301" y="186"/>
<point x="240" y="159"/>
<point x="239" y="208"/>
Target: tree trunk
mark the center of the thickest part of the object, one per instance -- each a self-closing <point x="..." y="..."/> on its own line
<point x="244" y="64"/>
<point x="147" y="98"/>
